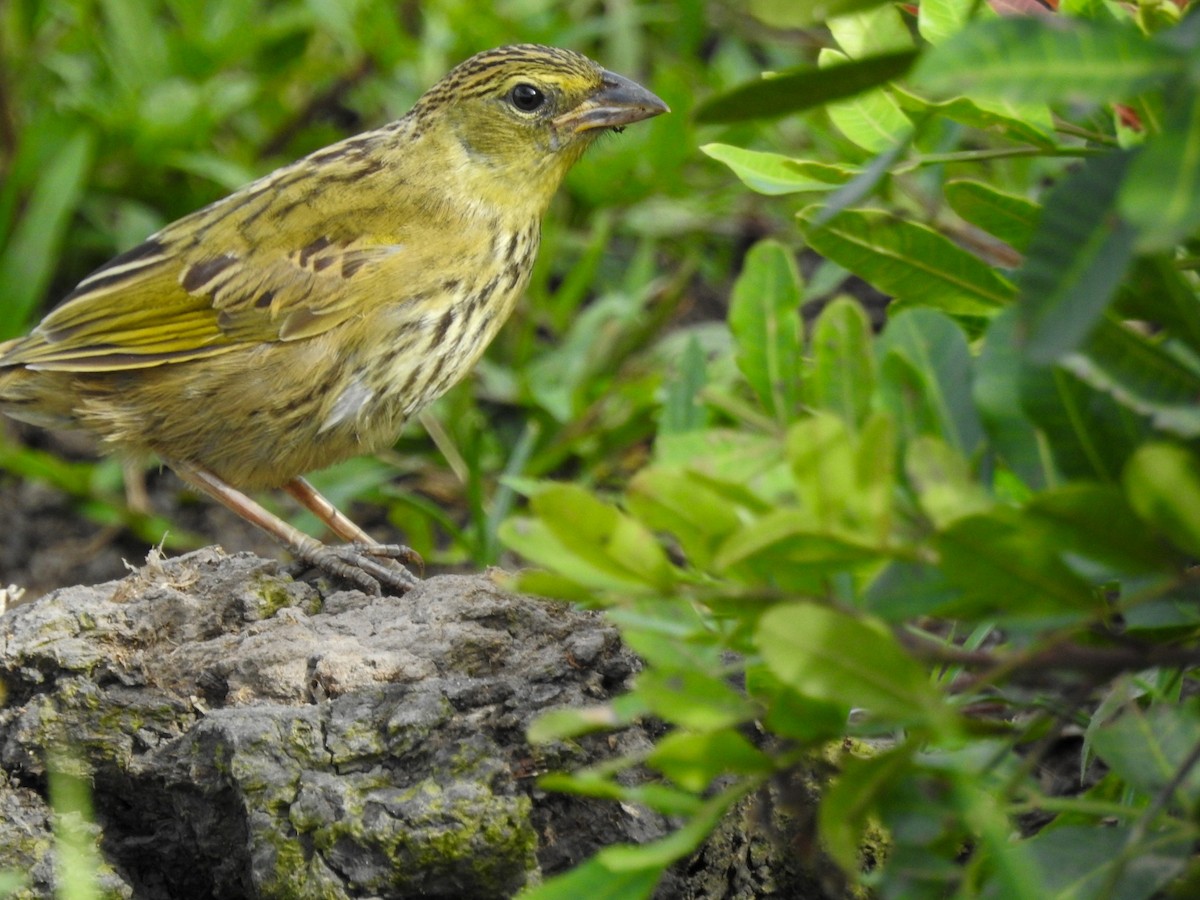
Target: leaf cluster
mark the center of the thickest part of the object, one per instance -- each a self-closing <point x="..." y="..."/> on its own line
<point x="949" y="545"/>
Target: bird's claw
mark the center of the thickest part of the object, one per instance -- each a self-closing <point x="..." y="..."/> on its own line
<point x="360" y="565"/>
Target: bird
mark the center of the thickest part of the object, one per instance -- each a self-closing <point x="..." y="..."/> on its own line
<point x="302" y="319"/>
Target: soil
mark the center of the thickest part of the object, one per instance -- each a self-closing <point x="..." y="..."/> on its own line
<point x="47" y="540"/>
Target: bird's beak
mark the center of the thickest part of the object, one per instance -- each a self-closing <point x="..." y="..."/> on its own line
<point x="619" y="102"/>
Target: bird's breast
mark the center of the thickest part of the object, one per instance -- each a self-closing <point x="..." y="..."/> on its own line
<point x="409" y="352"/>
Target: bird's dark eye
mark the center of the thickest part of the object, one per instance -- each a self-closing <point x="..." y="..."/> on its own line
<point x="526" y="97"/>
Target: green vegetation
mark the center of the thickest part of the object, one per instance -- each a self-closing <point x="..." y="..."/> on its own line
<point x="969" y="536"/>
<point x="950" y="542"/>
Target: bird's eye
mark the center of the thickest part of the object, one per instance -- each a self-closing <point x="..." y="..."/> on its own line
<point x="526" y="97"/>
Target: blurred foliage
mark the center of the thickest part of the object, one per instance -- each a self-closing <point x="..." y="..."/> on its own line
<point x="950" y="545"/>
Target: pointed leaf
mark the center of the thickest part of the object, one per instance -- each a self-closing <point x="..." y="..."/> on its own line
<point x="926" y="375"/>
<point x="1052" y="59"/>
<point x="1008" y="217"/>
<point x="1028" y="122"/>
<point x="1081" y="861"/>
<point x="800" y="89"/>
<point x="771" y="173"/>
<point x="1095" y="522"/>
<point x="1087" y="433"/>
<point x="764" y="315"/>
<point x="687" y="506"/>
<point x="588" y="541"/>
<point x="800" y="13"/>
<point x="596" y="881"/>
<point x="682" y="408"/>
<point x="1162" y="482"/>
<point x="908" y="261"/>
<point x="871" y="120"/>
<point x="27" y="262"/>
<point x="693" y="699"/>
<point x="842" y="376"/>
<point x="997" y="394"/>
<point x="1075" y="261"/>
<point x="831" y="656"/>
<point x="1004" y="568"/>
<point x="693" y="760"/>
<point x="1142" y="375"/>
<point x="1161" y="194"/>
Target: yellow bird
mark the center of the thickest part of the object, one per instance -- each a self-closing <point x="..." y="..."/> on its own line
<point x="302" y="319"/>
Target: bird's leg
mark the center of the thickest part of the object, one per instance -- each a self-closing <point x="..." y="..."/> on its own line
<point x="341" y="524"/>
<point x="352" y="563"/>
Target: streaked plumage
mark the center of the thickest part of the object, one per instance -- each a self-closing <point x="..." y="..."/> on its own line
<point x="302" y="319"/>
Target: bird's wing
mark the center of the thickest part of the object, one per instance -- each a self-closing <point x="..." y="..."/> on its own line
<point x="161" y="303"/>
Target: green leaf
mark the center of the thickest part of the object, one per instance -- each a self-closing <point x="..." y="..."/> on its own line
<point x="878" y="30"/>
<point x="1077" y="862"/>
<point x="693" y="760"/>
<point x="926" y="375"/>
<point x="792" y="715"/>
<point x="693" y="699"/>
<point x="697" y="511"/>
<point x="682" y="409"/>
<point x="1146" y="749"/>
<point x="661" y="853"/>
<point x="785" y="548"/>
<point x="1075" y="261"/>
<point x="841" y="378"/>
<point x="600" y="784"/>
<point x="589" y="541"/>
<point x="804" y="88"/>
<point x="1031" y="123"/>
<point x="1086" y="432"/>
<point x="1095" y="522"/>
<point x="872" y="120"/>
<point x="1161" y="194"/>
<point x="905" y="590"/>
<point x="997" y="394"/>
<point x="945" y="485"/>
<point x="1051" y="59"/>
<point x="1162" y="482"/>
<point x="1005" y="568"/>
<point x="1008" y="217"/>
<point x="1156" y="291"/>
<point x="801" y="13"/>
<point x="844" y="483"/>
<point x="27" y="262"/>
<point x="1143" y="375"/>
<point x="560" y="724"/>
<point x="594" y="880"/>
<point x="765" y="319"/>
<point x="909" y="262"/>
<point x="828" y="655"/>
<point x="939" y="20"/>
<point x="772" y="173"/>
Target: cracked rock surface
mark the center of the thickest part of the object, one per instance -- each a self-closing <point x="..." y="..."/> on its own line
<point x="247" y="736"/>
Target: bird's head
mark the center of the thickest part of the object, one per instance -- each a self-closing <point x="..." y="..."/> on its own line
<point x="527" y="112"/>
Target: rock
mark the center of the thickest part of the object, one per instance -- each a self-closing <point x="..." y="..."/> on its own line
<point x="248" y="736"/>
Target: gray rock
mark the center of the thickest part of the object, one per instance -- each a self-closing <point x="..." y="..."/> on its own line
<point x="247" y="737"/>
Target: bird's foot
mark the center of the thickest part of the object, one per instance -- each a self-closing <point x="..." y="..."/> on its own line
<point x="369" y="567"/>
